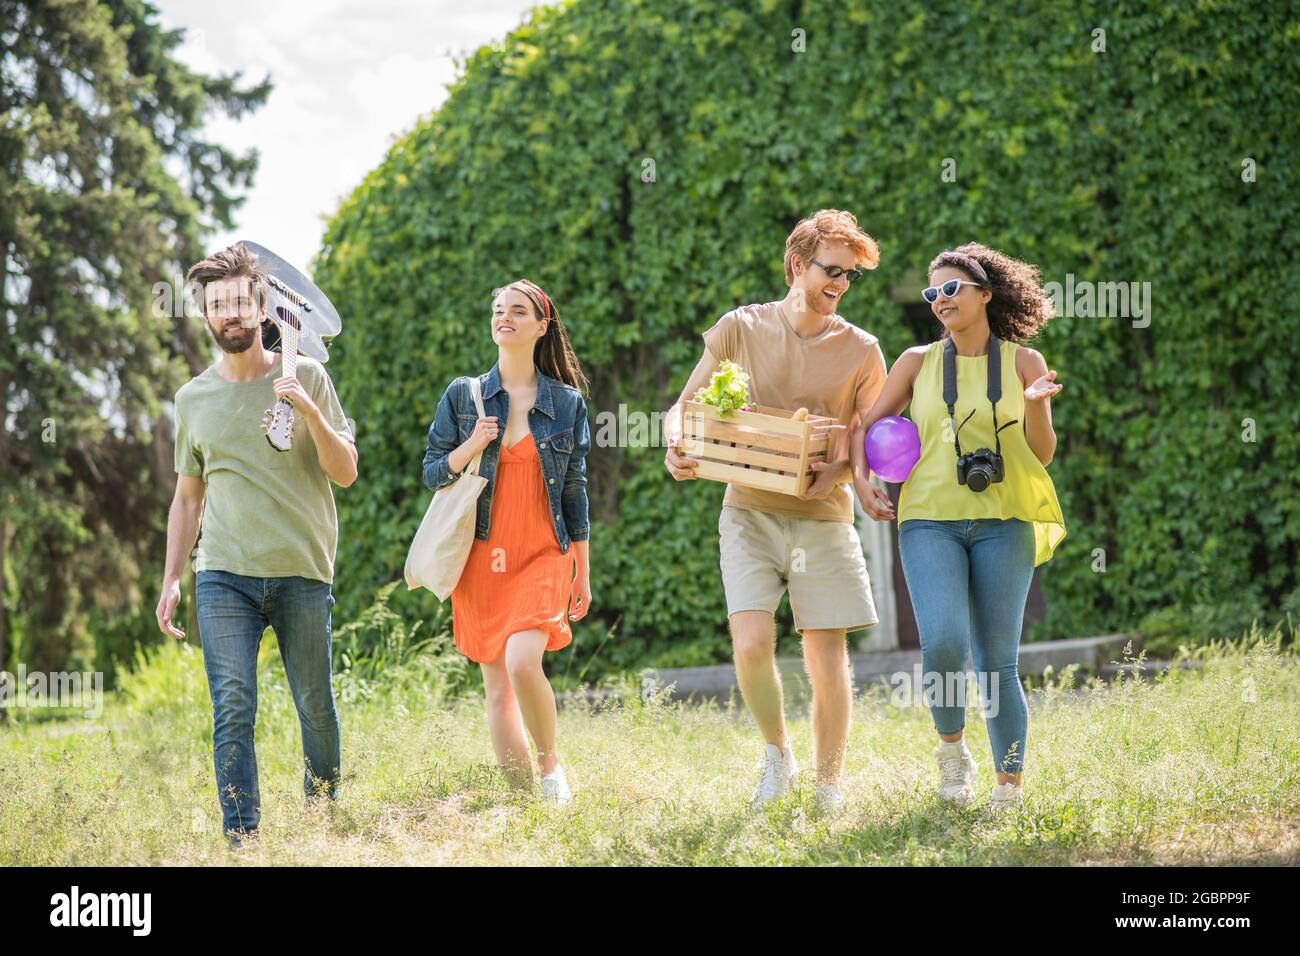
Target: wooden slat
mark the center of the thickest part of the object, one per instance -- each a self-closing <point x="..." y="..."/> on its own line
<point x="739" y="454"/>
<point x="759" y="417"/>
<point x="700" y="427"/>
<point x="759" y="420"/>
<point x="783" y="413"/>
<point x="746" y="476"/>
<point x="694" y="448"/>
<point x="803" y="454"/>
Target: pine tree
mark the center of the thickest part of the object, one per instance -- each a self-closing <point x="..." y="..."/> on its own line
<point x="107" y="187"/>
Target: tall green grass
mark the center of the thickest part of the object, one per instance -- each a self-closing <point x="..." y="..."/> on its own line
<point x="1200" y="765"/>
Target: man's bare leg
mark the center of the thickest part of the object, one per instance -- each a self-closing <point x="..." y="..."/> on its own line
<point x="753" y="640"/>
<point x="826" y="658"/>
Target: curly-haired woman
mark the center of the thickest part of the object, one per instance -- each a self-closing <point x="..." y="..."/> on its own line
<point x="978" y="512"/>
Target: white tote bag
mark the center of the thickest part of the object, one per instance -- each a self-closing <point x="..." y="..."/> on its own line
<point x="441" y="546"/>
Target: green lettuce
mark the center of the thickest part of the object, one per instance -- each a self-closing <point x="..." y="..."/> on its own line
<point x="728" y="390"/>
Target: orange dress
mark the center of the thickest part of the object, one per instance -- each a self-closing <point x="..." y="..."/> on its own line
<point x="518" y="579"/>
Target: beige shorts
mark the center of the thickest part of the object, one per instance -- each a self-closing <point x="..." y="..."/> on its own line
<point x="820" y="561"/>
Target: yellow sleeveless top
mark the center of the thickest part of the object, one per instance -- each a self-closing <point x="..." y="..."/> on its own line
<point x="931" y="490"/>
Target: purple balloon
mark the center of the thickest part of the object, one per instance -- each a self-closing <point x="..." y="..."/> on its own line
<point x="893" y="448"/>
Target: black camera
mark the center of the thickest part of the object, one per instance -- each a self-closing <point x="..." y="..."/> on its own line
<point x="980" y="468"/>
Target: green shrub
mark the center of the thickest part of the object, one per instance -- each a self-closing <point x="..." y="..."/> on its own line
<point x="1164" y="631"/>
<point x="1125" y="166"/>
<point x="380" y="645"/>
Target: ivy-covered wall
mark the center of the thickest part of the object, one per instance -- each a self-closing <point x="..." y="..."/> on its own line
<point x="644" y="160"/>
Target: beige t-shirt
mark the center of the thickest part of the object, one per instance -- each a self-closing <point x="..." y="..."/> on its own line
<point x="266" y="513"/>
<point x="835" y="373"/>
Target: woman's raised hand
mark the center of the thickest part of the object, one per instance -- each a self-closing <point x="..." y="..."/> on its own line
<point x="1043" y="387"/>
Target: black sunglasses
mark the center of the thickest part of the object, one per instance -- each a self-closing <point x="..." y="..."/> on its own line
<point x="836" y="271"/>
<point x="949" y="289"/>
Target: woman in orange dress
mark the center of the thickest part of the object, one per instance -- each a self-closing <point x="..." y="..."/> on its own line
<point x="528" y="571"/>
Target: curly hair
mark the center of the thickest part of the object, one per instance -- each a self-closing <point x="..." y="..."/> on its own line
<point x="1019" y="307"/>
<point x="829" y="225"/>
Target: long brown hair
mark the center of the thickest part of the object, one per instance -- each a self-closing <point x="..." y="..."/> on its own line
<point x="553" y="354"/>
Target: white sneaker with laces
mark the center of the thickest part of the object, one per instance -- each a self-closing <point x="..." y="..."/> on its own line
<point x="778" y="770"/>
<point x="827" y="799"/>
<point x="1007" y="796"/>
<point x="956" y="772"/>
<point x="555" y="788"/>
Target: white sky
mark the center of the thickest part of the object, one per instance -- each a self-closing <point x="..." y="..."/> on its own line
<point x="348" y="76"/>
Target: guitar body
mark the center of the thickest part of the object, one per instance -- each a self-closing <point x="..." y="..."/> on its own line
<point x="301" y="319"/>
<point x="319" y="319"/>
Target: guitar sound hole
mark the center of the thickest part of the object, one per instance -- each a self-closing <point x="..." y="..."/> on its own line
<point x="288" y="318"/>
<point x="270" y="336"/>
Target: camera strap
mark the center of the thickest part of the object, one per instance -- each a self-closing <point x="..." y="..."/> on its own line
<point x="994" y="388"/>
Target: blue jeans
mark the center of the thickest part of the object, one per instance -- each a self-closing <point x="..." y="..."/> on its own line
<point x="233" y="611"/>
<point x="968" y="581"/>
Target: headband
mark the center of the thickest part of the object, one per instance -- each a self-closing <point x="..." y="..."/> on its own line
<point x="971" y="265"/>
<point x="548" y="310"/>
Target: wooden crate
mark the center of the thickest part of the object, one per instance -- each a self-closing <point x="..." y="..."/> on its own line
<point x="764" y="449"/>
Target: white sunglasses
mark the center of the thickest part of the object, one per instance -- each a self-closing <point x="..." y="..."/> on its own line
<point x="949" y="289"/>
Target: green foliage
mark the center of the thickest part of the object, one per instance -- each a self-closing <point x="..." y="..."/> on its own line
<point x="1166" y="630"/>
<point x="644" y="160"/>
<point x="165" y="679"/>
<point x="107" y="184"/>
<point x="380" y="644"/>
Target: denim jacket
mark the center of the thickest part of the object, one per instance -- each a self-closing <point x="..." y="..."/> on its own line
<point x="558" y="424"/>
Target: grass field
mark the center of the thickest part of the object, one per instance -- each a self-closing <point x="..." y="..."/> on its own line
<point x="1199" y="766"/>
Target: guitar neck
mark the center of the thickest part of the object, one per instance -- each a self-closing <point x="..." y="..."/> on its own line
<point x="289" y="348"/>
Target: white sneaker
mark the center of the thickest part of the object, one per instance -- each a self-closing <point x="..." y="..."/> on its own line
<point x="827" y="799"/>
<point x="555" y="788"/>
<point x="956" y="772"/>
<point x="1007" y="796"/>
<point x="778" y="772"/>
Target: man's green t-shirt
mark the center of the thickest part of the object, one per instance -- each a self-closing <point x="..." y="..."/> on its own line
<point x="267" y="513"/>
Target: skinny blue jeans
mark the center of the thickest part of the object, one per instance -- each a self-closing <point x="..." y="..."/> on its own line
<point x="968" y="581"/>
<point x="233" y="611"/>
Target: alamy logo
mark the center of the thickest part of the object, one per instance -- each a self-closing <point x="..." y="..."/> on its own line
<point x="1084" y="299"/>
<point x="56" y="689"/>
<point x="103" y="909"/>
